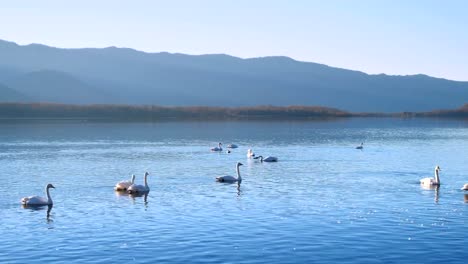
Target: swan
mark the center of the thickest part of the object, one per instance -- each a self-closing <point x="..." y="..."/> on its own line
<point x="250" y="153"/>
<point x="232" y="146"/>
<point x="465" y="187"/>
<point x="360" y="146"/>
<point x="267" y="159"/>
<point x="38" y="200"/>
<point x="122" y="186"/>
<point x="229" y="178"/>
<point x="218" y="148"/>
<point x="138" y="188"/>
<point x="432" y="181"/>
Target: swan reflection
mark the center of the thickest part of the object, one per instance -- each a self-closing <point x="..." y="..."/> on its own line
<point x="436" y="191"/>
<point x="40" y="208"/>
<point x="135" y="196"/>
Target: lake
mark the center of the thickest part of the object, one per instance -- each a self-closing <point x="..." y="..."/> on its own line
<point x="324" y="201"/>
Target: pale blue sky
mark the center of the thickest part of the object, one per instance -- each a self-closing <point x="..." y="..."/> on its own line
<point x="386" y="36"/>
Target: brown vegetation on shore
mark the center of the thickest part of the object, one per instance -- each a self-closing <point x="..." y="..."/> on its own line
<point x="149" y="112"/>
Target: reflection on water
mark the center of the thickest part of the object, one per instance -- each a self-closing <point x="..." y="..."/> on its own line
<point x="435" y="188"/>
<point x="133" y="196"/>
<point x="40" y="208"/>
<point x="324" y="202"/>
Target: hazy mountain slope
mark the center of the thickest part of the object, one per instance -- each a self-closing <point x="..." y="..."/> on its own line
<point x="120" y="75"/>
<point x="54" y="86"/>
<point x="9" y="95"/>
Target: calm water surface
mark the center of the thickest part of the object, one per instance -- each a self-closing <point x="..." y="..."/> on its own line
<point x="324" y="201"/>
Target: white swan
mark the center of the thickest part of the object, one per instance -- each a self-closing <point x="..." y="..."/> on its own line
<point x="138" y="188"/>
<point x="360" y="146"/>
<point x="250" y="153"/>
<point x="122" y="186"/>
<point x="267" y="159"/>
<point x="432" y="181"/>
<point x="38" y="200"/>
<point x="229" y="178"/>
<point x="218" y="148"/>
<point x="465" y="187"/>
<point x="232" y="146"/>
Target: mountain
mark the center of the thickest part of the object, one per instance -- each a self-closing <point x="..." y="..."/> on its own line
<point x="54" y="86"/>
<point x="127" y="76"/>
<point x="9" y="95"/>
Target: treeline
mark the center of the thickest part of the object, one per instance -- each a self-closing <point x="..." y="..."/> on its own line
<point x="150" y="112"/>
<point x="461" y="112"/>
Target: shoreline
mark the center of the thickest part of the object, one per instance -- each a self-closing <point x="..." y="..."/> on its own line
<point x="152" y="113"/>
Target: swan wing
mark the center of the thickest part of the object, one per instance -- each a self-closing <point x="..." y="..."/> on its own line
<point x="137" y="188"/>
<point x="226" y="178"/>
<point x="427" y="181"/>
<point x="34" y="200"/>
<point x="271" y="159"/>
<point x="123" y="185"/>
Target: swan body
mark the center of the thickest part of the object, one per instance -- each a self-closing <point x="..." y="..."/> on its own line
<point x="232" y="146"/>
<point x="122" y="186"/>
<point x="218" y="148"/>
<point x="250" y="153"/>
<point x="229" y="178"/>
<point x="360" y="146"/>
<point x="267" y="159"/>
<point x="432" y="181"/>
<point x="138" y="188"/>
<point x="38" y="200"/>
<point x="465" y="187"/>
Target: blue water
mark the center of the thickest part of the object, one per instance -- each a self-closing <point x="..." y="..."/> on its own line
<point x="324" y="201"/>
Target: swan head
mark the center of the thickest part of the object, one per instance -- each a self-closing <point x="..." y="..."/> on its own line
<point x="437" y="168"/>
<point x="50" y="186"/>
<point x="239" y="164"/>
<point x="146" y="174"/>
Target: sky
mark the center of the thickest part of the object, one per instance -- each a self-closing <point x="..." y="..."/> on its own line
<point x="398" y="37"/>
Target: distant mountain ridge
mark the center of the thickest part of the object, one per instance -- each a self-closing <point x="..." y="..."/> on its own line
<point x="38" y="73"/>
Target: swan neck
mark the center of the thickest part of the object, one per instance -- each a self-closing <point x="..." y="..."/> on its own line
<point x="239" y="178"/>
<point x="133" y="179"/>
<point x="146" y="180"/>
<point x="437" y="176"/>
<point x="49" y="199"/>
